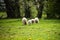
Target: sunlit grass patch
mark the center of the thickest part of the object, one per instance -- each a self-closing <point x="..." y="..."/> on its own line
<point x="12" y="29"/>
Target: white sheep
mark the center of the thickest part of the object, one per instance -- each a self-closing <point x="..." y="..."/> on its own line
<point x="24" y="21"/>
<point x="36" y="20"/>
<point x="29" y="22"/>
<point x="33" y="20"/>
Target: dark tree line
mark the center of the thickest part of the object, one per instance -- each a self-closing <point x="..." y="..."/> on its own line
<point x="13" y="8"/>
<point x="51" y="8"/>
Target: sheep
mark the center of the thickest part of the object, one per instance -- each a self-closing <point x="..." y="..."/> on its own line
<point x="24" y="21"/>
<point x="29" y="22"/>
<point x="33" y="20"/>
<point x="36" y="20"/>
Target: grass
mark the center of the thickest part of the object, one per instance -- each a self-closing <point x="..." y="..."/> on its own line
<point x="12" y="29"/>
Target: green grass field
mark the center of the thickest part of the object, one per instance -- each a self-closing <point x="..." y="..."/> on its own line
<point x="46" y="29"/>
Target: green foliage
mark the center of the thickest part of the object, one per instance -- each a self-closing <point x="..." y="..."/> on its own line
<point x="51" y="8"/>
<point x="33" y="11"/>
<point x="22" y="10"/>
<point x="31" y="5"/>
<point x="3" y="14"/>
<point x="48" y="6"/>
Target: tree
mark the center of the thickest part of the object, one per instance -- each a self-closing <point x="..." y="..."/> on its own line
<point x="17" y="8"/>
<point x="12" y="8"/>
<point x="57" y="8"/>
<point x="39" y="7"/>
<point x="52" y="8"/>
<point x="27" y="9"/>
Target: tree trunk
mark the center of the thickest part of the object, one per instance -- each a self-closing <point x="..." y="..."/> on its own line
<point x="40" y="11"/>
<point x="40" y="8"/>
<point x="27" y="10"/>
<point x="17" y="8"/>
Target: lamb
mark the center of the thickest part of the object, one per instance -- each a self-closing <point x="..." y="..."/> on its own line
<point x="29" y="22"/>
<point x="24" y="21"/>
<point x="36" y="20"/>
<point x="33" y="20"/>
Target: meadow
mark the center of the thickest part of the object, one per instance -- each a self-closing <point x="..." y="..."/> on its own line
<point x="11" y="27"/>
<point x="46" y="29"/>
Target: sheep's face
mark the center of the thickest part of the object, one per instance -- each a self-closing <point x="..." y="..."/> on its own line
<point x="33" y="20"/>
<point x="29" y="22"/>
<point x="36" y="20"/>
